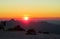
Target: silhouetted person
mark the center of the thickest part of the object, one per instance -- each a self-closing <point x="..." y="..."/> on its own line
<point x="31" y="32"/>
<point x="2" y="25"/>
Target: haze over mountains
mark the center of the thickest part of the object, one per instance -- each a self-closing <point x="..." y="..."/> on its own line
<point x="42" y="25"/>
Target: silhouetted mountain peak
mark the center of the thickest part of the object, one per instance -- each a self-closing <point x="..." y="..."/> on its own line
<point x="13" y="20"/>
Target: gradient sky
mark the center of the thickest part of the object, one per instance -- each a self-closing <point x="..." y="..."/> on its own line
<point x="31" y="8"/>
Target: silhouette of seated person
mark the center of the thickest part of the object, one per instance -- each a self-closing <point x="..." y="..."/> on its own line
<point x="1" y="27"/>
<point x="31" y="32"/>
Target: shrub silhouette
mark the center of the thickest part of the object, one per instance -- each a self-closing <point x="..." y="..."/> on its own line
<point x="31" y="32"/>
<point x="43" y="32"/>
<point x="39" y="31"/>
<point x="16" y="28"/>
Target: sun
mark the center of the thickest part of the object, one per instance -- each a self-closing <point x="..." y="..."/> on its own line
<point x="26" y="18"/>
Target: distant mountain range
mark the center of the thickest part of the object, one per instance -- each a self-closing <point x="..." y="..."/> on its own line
<point x="54" y="21"/>
<point x="12" y="23"/>
<point x="45" y="26"/>
<point x="37" y="25"/>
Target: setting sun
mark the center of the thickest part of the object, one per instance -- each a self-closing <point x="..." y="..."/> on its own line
<point x="26" y="18"/>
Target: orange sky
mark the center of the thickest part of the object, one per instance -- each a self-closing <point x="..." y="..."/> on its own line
<point x="30" y="8"/>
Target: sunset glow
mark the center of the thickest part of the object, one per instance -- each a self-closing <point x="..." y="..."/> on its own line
<point x="35" y="8"/>
<point x="26" y="18"/>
